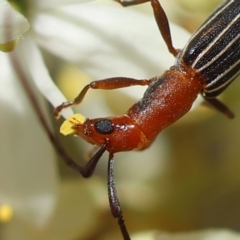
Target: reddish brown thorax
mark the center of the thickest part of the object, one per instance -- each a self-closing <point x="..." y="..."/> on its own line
<point x="167" y="99"/>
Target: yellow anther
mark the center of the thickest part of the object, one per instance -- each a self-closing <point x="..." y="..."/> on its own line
<point x="6" y="213"/>
<point x="67" y="126"/>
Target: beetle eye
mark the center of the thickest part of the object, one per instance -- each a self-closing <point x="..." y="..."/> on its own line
<point x="104" y="126"/>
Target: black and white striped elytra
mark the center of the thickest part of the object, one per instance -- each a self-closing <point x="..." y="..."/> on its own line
<point x="214" y="50"/>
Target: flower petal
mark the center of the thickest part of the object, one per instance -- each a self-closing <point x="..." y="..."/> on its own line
<point x="55" y="3"/>
<point x="12" y="24"/>
<point x="122" y="42"/>
<point x="195" y="235"/>
<point x="34" y="64"/>
<point x="107" y="40"/>
<point x="28" y="177"/>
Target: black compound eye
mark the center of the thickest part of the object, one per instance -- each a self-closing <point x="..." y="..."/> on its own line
<point x="104" y="126"/>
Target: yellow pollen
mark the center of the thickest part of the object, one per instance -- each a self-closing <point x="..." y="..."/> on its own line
<point x="6" y="213"/>
<point x="67" y="126"/>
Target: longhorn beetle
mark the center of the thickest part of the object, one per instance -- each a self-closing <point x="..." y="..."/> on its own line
<point x="208" y="63"/>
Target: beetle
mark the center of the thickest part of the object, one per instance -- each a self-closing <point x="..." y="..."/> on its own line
<point x="208" y="63"/>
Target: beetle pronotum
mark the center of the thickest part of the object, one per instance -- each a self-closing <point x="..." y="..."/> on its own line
<point x="208" y="63"/>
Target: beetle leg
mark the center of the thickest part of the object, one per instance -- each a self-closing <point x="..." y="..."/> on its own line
<point x="89" y="168"/>
<point x="221" y="107"/>
<point x="161" y="19"/>
<point x="113" y="199"/>
<point x="107" y="84"/>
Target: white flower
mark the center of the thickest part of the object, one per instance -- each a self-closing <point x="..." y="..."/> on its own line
<point x="12" y="24"/>
<point x="28" y="176"/>
<point x="194" y="235"/>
